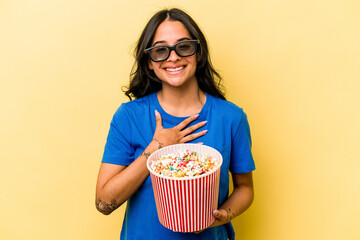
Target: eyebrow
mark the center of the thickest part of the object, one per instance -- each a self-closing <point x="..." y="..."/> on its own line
<point x="164" y="42"/>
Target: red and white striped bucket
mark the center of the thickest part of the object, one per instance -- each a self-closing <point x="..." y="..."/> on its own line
<point x="186" y="204"/>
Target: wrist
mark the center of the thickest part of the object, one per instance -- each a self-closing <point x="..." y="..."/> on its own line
<point x="159" y="143"/>
<point x="152" y="147"/>
<point x="230" y="214"/>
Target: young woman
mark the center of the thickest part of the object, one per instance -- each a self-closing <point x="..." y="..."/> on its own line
<point x="177" y="100"/>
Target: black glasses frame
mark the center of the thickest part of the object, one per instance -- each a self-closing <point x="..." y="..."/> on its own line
<point x="148" y="50"/>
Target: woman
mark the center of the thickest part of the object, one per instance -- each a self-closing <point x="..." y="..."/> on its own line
<point x="177" y="100"/>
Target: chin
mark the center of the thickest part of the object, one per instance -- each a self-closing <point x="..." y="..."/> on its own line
<point x="174" y="84"/>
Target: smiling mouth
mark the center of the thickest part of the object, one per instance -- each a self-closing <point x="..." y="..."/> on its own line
<point x="174" y="69"/>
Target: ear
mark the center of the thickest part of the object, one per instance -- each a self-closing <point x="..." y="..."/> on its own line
<point x="150" y="65"/>
<point x="198" y="57"/>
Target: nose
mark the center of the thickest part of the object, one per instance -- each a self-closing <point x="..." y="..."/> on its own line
<point x="173" y="56"/>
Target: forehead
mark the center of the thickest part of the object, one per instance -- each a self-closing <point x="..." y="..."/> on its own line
<point x="170" y="32"/>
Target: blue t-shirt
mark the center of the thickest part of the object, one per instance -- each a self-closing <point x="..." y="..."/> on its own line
<point x="132" y="129"/>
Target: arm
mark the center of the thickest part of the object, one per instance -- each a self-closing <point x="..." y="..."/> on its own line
<point x="243" y="193"/>
<point x="117" y="183"/>
<point x="239" y="200"/>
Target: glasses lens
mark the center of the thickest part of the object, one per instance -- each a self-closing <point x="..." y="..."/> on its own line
<point x="159" y="53"/>
<point x="184" y="49"/>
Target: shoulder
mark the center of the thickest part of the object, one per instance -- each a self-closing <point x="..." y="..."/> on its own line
<point x="128" y="113"/>
<point x="227" y="108"/>
<point x="134" y="106"/>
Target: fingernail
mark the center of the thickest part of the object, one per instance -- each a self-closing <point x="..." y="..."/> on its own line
<point x="205" y="131"/>
<point x="203" y="122"/>
<point x="196" y="115"/>
<point x="156" y="113"/>
<point x="214" y="212"/>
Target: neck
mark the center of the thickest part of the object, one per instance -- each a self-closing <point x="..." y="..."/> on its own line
<point x="182" y="101"/>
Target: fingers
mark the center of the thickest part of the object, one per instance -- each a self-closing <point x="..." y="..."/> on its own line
<point x="193" y="136"/>
<point x="186" y="122"/>
<point x="222" y="216"/>
<point x="186" y="133"/>
<point x="191" y="129"/>
<point x="158" y="120"/>
<point x="176" y="134"/>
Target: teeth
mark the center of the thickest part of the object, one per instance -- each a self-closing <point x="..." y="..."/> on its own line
<point x="174" y="69"/>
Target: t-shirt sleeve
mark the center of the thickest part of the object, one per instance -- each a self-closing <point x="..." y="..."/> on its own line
<point x="241" y="156"/>
<point x="118" y="147"/>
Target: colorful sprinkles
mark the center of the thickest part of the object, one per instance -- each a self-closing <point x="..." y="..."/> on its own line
<point x="184" y="164"/>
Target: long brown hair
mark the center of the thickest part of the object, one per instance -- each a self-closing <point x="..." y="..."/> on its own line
<point x="143" y="81"/>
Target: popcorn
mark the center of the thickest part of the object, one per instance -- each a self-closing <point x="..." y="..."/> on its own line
<point x="185" y="180"/>
<point x="184" y="164"/>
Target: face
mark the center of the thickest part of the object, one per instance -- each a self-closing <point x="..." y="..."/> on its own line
<point x="175" y="71"/>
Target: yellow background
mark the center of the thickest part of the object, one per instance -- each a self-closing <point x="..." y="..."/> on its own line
<point x="294" y="66"/>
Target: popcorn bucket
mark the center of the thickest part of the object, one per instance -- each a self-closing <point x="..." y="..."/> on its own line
<point x="186" y="204"/>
